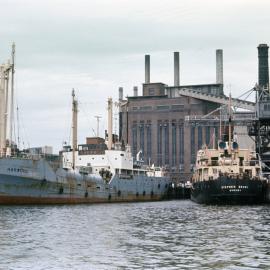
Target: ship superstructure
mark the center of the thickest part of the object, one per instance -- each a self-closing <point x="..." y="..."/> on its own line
<point x="127" y="179"/>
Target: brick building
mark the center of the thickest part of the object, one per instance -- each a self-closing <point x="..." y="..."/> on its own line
<point x="155" y="121"/>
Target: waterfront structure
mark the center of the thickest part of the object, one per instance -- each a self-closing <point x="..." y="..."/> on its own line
<point x="155" y="121"/>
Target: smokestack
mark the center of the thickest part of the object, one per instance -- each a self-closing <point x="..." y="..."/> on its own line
<point x="120" y="91"/>
<point x="219" y="66"/>
<point x="147" y="68"/>
<point x="135" y="91"/>
<point x="263" y="65"/>
<point x="176" y="69"/>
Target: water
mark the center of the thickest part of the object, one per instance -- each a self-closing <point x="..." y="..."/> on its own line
<point x="160" y="235"/>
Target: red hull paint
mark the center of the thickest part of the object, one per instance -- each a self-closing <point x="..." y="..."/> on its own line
<point x="22" y="200"/>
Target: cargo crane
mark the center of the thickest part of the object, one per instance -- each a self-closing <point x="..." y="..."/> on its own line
<point x="257" y="119"/>
<point x="260" y="127"/>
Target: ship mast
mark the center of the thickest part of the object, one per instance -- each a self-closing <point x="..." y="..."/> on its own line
<point x="6" y="106"/>
<point x="74" y="127"/>
<point x="2" y="111"/>
<point x="110" y="123"/>
<point x="12" y="94"/>
<point x="230" y="120"/>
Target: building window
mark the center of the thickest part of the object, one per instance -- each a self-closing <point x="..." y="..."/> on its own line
<point x="142" y="138"/>
<point x="216" y="136"/>
<point x="163" y="108"/>
<point x="149" y="142"/>
<point x="145" y="108"/>
<point x="199" y="137"/>
<point x="134" y="140"/>
<point x="181" y="146"/>
<point x="166" y="143"/>
<point x="151" y="91"/>
<point x="159" y="144"/>
<point x="192" y="145"/>
<point x="177" y="107"/>
<point x="173" y="144"/>
<point x="207" y="135"/>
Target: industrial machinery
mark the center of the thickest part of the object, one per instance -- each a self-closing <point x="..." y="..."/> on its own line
<point x="260" y="127"/>
<point x="257" y="116"/>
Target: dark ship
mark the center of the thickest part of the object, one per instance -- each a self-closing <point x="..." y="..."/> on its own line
<point x="228" y="174"/>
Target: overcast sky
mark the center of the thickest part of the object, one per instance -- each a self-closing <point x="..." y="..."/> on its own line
<point x="96" y="46"/>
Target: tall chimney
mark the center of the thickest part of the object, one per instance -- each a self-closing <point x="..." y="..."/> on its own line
<point x="120" y="91"/>
<point x="219" y="66"/>
<point x="263" y="65"/>
<point x="176" y="69"/>
<point x="147" y="68"/>
<point x="135" y="91"/>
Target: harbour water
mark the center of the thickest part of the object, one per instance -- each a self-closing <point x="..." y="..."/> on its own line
<point x="154" y="235"/>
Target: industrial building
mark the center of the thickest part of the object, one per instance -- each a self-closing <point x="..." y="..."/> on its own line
<point x="155" y="122"/>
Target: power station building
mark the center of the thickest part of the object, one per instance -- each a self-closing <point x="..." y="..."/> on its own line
<point x="154" y="123"/>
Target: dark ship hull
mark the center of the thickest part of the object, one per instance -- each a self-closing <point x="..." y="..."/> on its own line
<point x="225" y="190"/>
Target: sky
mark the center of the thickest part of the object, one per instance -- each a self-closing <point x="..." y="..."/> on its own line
<point x="99" y="45"/>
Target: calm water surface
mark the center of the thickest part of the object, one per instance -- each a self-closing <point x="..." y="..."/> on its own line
<point x="160" y="235"/>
